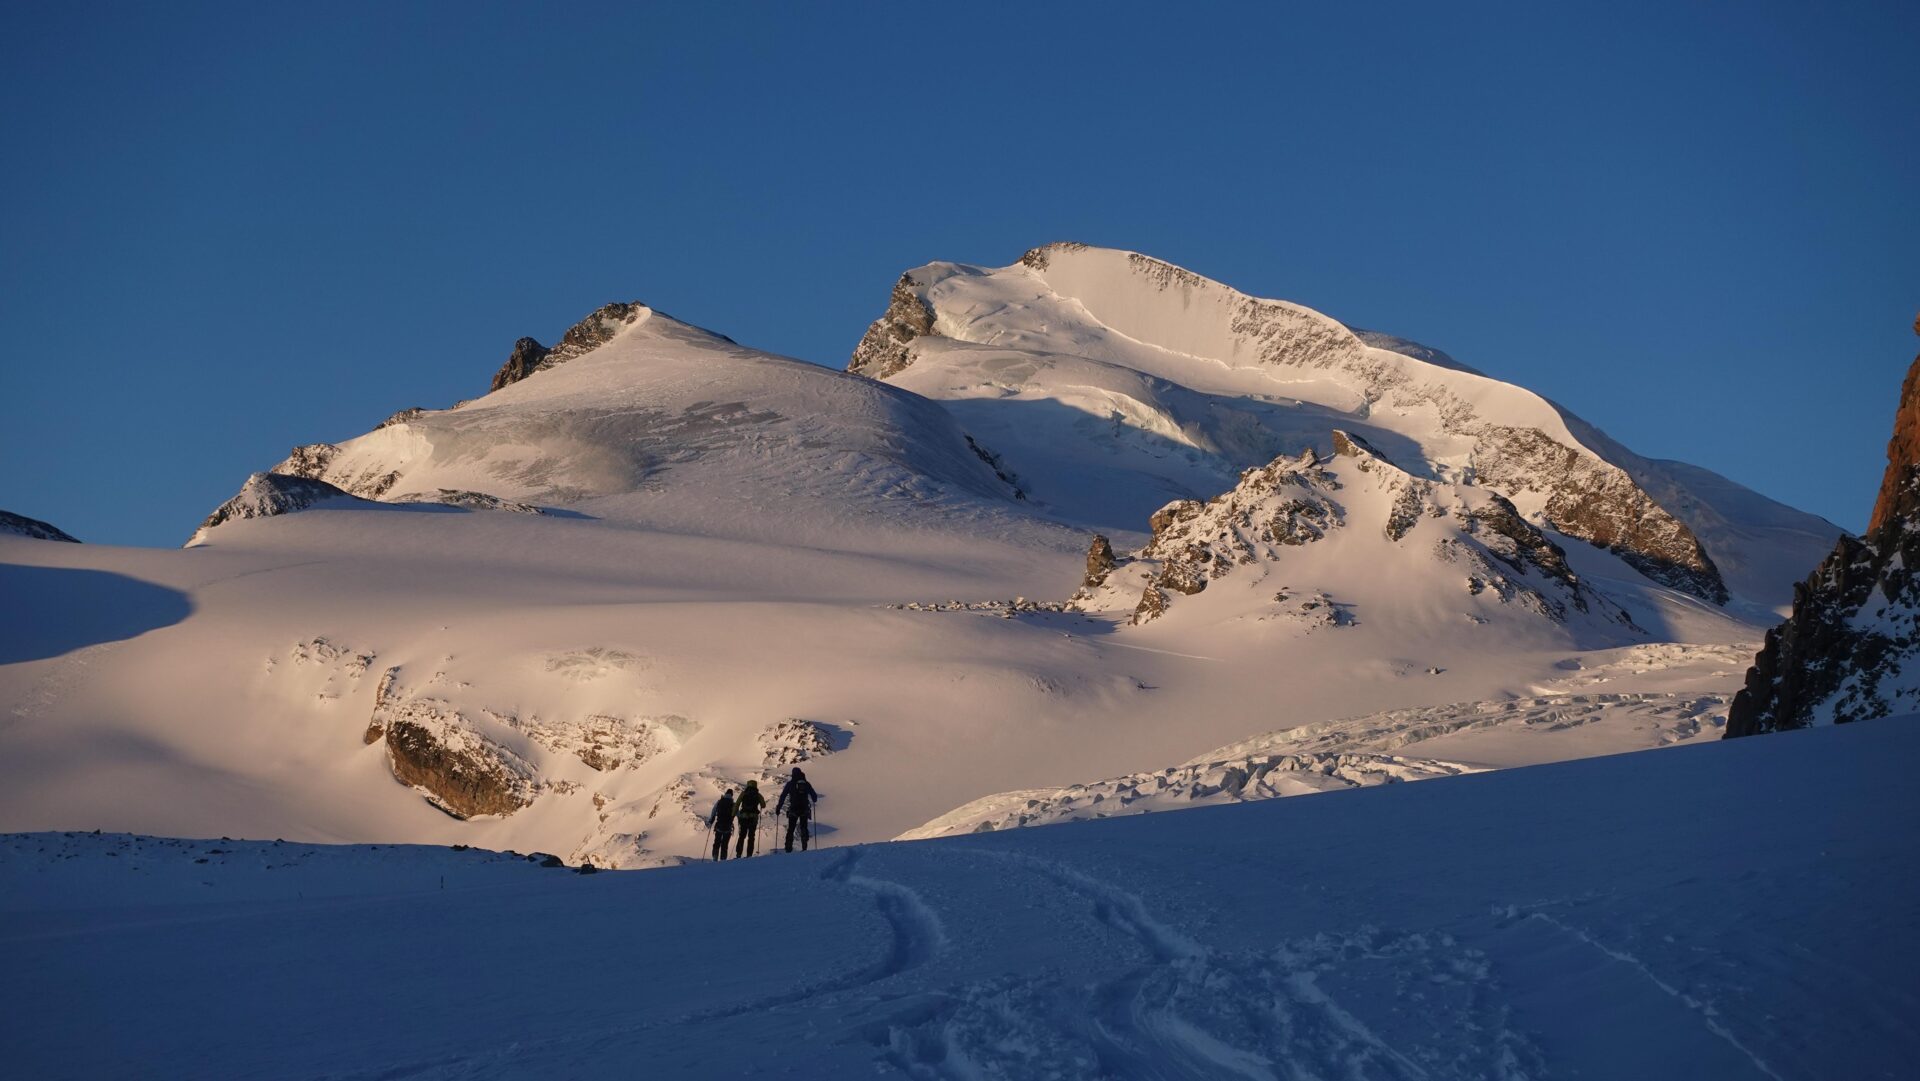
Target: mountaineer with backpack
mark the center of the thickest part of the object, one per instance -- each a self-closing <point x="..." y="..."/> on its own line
<point x="797" y="800"/>
<point x="720" y="823"/>
<point x="746" y="811"/>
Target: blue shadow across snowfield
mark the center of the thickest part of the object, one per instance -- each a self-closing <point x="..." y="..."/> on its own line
<point x="48" y="611"/>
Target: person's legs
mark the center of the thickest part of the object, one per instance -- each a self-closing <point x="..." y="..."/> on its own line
<point x="720" y="840"/>
<point x="748" y="827"/>
<point x="792" y="821"/>
<point x="806" y="832"/>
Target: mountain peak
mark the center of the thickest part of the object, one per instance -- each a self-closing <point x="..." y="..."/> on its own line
<point x="596" y="330"/>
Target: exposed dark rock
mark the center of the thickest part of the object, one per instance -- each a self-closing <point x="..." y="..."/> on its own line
<point x="1100" y="561"/>
<point x="596" y="330"/>
<point x="415" y="413"/>
<point x="309" y="460"/>
<point x="458" y="497"/>
<point x="1598" y="503"/>
<point x="883" y="349"/>
<point x="1899" y="496"/>
<point x="1197" y="542"/>
<point x="795" y="740"/>
<point x="265" y="495"/>
<point x="434" y="748"/>
<point x="20" y="525"/>
<point x="522" y="362"/>
<point x="1037" y="258"/>
<point x="1292" y="501"/>
<point x="1850" y="650"/>
<point x="1526" y="547"/>
<point x="999" y="470"/>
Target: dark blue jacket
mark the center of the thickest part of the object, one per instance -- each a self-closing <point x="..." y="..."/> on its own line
<point x="797" y="799"/>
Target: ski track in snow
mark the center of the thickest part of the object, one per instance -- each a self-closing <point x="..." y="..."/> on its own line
<point x="1189" y="1011"/>
<point x="1706" y="1011"/>
<point x="917" y="937"/>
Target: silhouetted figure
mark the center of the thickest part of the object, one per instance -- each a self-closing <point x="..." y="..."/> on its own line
<point x="797" y="800"/>
<point x="746" y="815"/>
<point x="721" y="823"/>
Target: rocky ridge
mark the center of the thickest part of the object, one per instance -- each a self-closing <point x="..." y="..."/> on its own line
<point x="20" y="525"/>
<point x="597" y="329"/>
<point x="882" y="351"/>
<point x="1850" y="649"/>
<point x="1298" y="501"/>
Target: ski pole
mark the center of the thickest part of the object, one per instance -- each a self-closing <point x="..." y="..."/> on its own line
<point x="707" y="852"/>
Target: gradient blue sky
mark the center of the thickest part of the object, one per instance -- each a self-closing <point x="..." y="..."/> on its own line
<point x="226" y="229"/>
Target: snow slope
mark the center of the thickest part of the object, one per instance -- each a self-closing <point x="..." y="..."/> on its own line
<point x="564" y="616"/>
<point x="1603" y="918"/>
<point x="1158" y="383"/>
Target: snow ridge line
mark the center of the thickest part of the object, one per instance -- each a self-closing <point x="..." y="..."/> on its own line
<point x="1706" y="1011"/>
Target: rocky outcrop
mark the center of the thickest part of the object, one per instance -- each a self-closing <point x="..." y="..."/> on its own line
<point x="319" y="462"/>
<point x="794" y="740"/>
<point x="404" y="416"/>
<point x="434" y="748"/>
<point x="596" y="330"/>
<point x="525" y="359"/>
<point x="265" y="495"/>
<point x="1100" y="562"/>
<point x="883" y="349"/>
<point x="1283" y="503"/>
<point x="602" y="741"/>
<point x="1298" y="501"/>
<point x="19" y="525"/>
<point x="1899" y="496"/>
<point x="1599" y="503"/>
<point x="459" y="497"/>
<point x="1850" y="650"/>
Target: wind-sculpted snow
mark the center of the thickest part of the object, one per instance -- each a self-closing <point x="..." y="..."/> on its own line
<point x="1102" y="377"/>
<point x="1569" y="921"/>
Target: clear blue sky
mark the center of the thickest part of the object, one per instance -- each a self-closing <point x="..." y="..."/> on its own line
<point x="226" y="229"/>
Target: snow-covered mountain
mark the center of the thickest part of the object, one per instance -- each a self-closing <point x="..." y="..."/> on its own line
<point x="652" y="563"/>
<point x="1109" y="382"/>
<point x="638" y="417"/>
